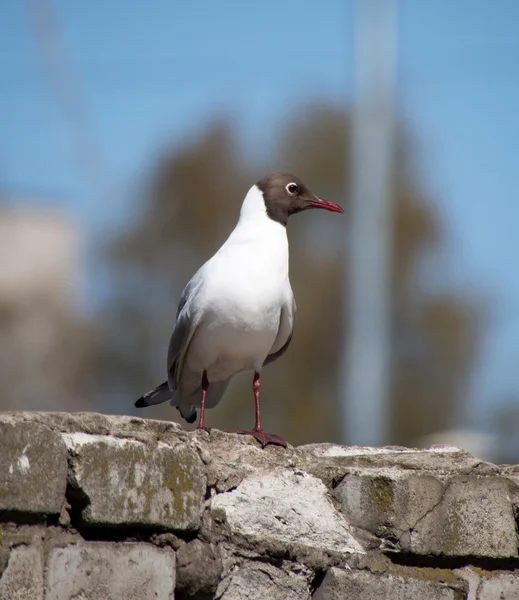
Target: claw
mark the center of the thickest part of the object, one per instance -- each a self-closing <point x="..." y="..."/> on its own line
<point x="265" y="438"/>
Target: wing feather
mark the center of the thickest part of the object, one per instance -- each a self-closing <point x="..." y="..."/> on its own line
<point x="185" y="327"/>
<point x="285" y="332"/>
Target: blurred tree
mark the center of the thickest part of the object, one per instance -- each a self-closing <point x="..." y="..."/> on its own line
<point x="192" y="202"/>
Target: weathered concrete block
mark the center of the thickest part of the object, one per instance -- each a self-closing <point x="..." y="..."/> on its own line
<point x="388" y="503"/>
<point x="424" y="515"/>
<point x="290" y="507"/>
<point x="261" y="581"/>
<point x="499" y="586"/>
<point x="490" y="585"/>
<point x="129" y="482"/>
<point x="325" y="460"/>
<point x="143" y="430"/>
<point x="475" y="517"/>
<point x="110" y="571"/>
<point x="23" y="576"/>
<point x="339" y="584"/>
<point x="33" y="468"/>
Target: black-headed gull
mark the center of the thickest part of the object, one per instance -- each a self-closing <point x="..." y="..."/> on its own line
<point x="237" y="313"/>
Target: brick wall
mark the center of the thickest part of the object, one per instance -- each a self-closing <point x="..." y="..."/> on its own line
<point x="94" y="507"/>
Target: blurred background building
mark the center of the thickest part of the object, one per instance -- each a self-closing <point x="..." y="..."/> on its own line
<point x="43" y="336"/>
<point x="152" y="121"/>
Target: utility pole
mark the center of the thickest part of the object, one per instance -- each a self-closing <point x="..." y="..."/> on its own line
<point x="366" y="360"/>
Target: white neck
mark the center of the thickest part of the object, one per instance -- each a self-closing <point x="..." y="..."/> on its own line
<point x="256" y="227"/>
<point x="253" y="207"/>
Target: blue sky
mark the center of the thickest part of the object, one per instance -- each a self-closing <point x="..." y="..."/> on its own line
<point x="152" y="74"/>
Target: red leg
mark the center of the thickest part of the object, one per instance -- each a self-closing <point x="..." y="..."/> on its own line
<point x="205" y="386"/>
<point x="262" y="437"/>
<point x="256" y="385"/>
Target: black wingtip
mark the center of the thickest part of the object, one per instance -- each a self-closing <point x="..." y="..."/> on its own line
<point x="140" y="403"/>
<point x="192" y="418"/>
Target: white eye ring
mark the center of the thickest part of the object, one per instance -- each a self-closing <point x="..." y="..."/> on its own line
<point x="292" y="188"/>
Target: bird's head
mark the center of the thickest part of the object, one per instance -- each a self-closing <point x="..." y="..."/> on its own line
<point x="285" y="194"/>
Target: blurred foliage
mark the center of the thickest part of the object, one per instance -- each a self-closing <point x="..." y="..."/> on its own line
<point x="192" y="200"/>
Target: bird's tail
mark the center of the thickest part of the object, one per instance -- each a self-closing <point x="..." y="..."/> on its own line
<point x="160" y="394"/>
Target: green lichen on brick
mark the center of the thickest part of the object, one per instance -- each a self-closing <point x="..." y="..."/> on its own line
<point x="180" y="483"/>
<point x="95" y="466"/>
<point x="137" y="483"/>
<point x="430" y="575"/>
<point x="381" y="493"/>
<point x="380" y="564"/>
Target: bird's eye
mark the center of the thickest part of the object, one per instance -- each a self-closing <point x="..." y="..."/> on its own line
<point x="292" y="188"/>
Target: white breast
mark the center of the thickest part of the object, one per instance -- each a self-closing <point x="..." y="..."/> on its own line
<point x="246" y="285"/>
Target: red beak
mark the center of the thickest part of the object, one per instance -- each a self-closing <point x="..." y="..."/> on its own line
<point x="326" y="204"/>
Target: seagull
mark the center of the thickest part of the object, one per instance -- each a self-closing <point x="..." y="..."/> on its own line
<point x="237" y="313"/>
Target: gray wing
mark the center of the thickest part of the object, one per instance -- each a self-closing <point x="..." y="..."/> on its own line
<point x="285" y="332"/>
<point x="185" y="327"/>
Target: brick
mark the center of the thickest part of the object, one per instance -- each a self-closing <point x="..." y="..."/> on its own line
<point x="127" y="482"/>
<point x="261" y="581"/>
<point x="388" y="504"/>
<point x="23" y="577"/>
<point x="33" y="468"/>
<point x="110" y="571"/>
<point x="339" y="584"/>
<point x="288" y="507"/>
<point x="475" y="517"/>
<point x="425" y="514"/>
